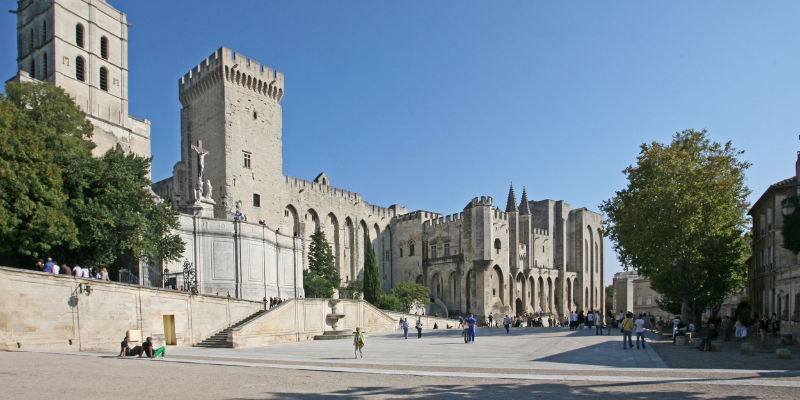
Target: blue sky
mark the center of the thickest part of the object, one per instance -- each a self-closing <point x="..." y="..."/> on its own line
<point x="428" y="104"/>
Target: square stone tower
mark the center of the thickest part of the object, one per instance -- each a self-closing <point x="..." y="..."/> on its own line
<point x="82" y="46"/>
<point x="231" y="109"/>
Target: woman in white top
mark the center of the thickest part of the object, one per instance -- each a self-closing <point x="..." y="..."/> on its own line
<point x="104" y="274"/>
<point x="741" y="330"/>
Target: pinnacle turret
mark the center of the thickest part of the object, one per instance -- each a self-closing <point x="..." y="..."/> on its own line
<point x="511" y="205"/>
<point x="524" y="209"/>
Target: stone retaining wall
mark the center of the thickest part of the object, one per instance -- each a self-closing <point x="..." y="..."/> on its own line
<point x="45" y="311"/>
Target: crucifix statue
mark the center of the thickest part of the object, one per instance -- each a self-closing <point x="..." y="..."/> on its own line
<point x="201" y="153"/>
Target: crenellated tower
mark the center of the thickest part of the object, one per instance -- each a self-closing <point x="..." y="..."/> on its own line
<point x="513" y="231"/>
<point x="231" y="109"/>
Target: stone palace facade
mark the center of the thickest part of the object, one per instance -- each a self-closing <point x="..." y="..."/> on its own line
<point x="533" y="256"/>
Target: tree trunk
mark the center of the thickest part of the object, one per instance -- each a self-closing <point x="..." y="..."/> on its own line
<point x="686" y="310"/>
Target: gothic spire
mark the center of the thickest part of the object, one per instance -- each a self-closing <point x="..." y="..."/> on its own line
<point x="511" y="205"/>
<point x="524" y="209"/>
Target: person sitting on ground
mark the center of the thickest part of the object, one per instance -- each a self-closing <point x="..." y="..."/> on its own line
<point x="435" y="325"/>
<point x="126" y="351"/>
<point x="712" y="336"/>
<point x="147" y="349"/>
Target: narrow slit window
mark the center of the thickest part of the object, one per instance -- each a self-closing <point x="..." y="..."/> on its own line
<point x="103" y="79"/>
<point x="80" y="69"/>
<point x="79" y="35"/>
<point x="44" y="31"/>
<point x="256" y="200"/>
<point x="30" y="44"/>
<point x="44" y="65"/>
<point x="104" y="47"/>
<point x="33" y="69"/>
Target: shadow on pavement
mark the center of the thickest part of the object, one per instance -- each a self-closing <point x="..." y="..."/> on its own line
<point x="527" y="390"/>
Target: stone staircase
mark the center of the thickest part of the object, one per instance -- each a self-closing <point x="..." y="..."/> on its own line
<point x="219" y="340"/>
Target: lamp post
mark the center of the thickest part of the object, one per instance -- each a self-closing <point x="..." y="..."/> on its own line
<point x="788" y="207"/>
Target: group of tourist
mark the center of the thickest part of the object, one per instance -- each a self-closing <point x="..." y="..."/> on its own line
<point x="51" y="267"/>
<point x="627" y="326"/>
<point x="273" y="301"/>
<point x="145" y="350"/>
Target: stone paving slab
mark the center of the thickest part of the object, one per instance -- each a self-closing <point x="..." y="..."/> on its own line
<point x="523" y="348"/>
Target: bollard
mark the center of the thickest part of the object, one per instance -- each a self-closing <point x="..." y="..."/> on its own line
<point x="694" y="343"/>
<point x="748" y="349"/>
<point x="787" y="339"/>
<point x="715" y="346"/>
<point x="680" y="340"/>
<point x="783" y="354"/>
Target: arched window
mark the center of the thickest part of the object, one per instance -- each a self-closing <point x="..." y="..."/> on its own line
<point x="497" y="245"/>
<point x="44" y="31"/>
<point x="103" y="78"/>
<point x="79" y="35"/>
<point x="44" y="65"/>
<point x="80" y="69"/>
<point x="33" y="68"/>
<point x="411" y="248"/>
<point x="104" y="48"/>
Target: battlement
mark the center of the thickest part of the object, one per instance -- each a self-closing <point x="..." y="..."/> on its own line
<point x="297" y="183"/>
<point x="233" y="68"/>
<point x="482" y="201"/>
<point x="416" y="217"/>
<point x="541" y="232"/>
<point x="501" y="215"/>
<point x="454" y="219"/>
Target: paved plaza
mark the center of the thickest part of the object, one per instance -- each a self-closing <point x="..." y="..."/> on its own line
<point x="523" y="348"/>
<point x="530" y="362"/>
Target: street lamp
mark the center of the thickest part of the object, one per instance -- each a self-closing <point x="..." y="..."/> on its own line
<point x="788" y="207"/>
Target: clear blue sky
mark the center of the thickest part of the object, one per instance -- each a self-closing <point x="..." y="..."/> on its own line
<point x="428" y="104"/>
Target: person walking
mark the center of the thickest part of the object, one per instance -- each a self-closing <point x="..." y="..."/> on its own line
<point x="609" y="322"/>
<point x="461" y="322"/>
<point x="359" y="341"/>
<point x="573" y="320"/>
<point x="726" y="328"/>
<point x="626" y="326"/>
<point x="590" y="319"/>
<point x="763" y="326"/>
<point x="598" y="323"/>
<point x="507" y="323"/>
<point x="405" y="327"/>
<point x="471" y="321"/>
<point x="581" y="320"/>
<point x="419" y="327"/>
<point x="639" y="323"/>
<point x="491" y="317"/>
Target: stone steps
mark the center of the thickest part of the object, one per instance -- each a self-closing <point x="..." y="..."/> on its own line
<point x="220" y="339"/>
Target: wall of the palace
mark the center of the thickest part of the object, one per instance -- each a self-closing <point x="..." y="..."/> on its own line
<point x="245" y="258"/>
<point x="45" y="311"/>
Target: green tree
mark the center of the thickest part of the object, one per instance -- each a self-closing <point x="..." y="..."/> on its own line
<point x="411" y="295"/>
<point x="33" y="208"/>
<point x="119" y="219"/>
<point x="791" y="225"/>
<point x="92" y="210"/>
<point x="682" y="218"/>
<point x="352" y="289"/>
<point x="390" y="302"/>
<point x="321" y="276"/>
<point x="372" y="278"/>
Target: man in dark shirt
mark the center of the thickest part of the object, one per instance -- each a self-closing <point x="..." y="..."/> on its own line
<point x="763" y="326"/>
<point x="126" y="351"/>
<point x="712" y="336"/>
<point x="147" y="349"/>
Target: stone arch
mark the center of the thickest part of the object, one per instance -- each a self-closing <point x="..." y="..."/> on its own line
<point x="511" y="287"/>
<point x="419" y="280"/>
<point x="549" y="302"/>
<point x="586" y="299"/>
<point x="387" y="273"/>
<point x="496" y="279"/>
<point x="596" y="258"/>
<point x="520" y="293"/>
<point x="556" y="296"/>
<point x="291" y="223"/>
<point x="575" y="293"/>
<point x="437" y="286"/>
<point x="377" y="246"/>
<point x="312" y="221"/>
<point x="470" y="284"/>
<point x="332" y="236"/>
<point x="569" y="294"/>
<point x="586" y="256"/>
<point x="532" y="293"/>
<point x="542" y="297"/>
<point x="361" y="246"/>
<point x="350" y="249"/>
<point x="450" y="292"/>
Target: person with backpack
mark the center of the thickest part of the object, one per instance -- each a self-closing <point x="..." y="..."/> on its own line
<point x="507" y="323"/>
<point x="626" y="326"/>
<point x="359" y="341"/>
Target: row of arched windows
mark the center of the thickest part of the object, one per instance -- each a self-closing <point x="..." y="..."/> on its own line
<point x="79" y="41"/>
<point x="80" y="73"/>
